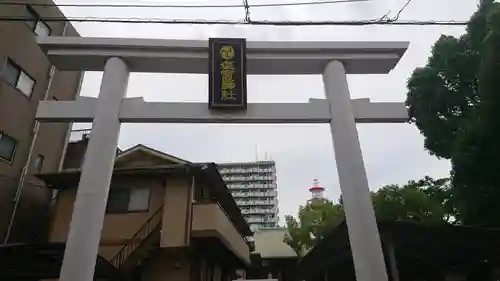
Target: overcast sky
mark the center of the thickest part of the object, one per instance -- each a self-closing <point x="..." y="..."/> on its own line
<point x="393" y="153"/>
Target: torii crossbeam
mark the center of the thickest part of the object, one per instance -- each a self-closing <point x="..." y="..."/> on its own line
<point x="136" y="110"/>
<point x="117" y="57"/>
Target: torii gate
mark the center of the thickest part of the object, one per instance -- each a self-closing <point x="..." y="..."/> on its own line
<point x="117" y="57"/>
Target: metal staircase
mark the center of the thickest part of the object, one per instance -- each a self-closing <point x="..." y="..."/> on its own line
<point x="144" y="245"/>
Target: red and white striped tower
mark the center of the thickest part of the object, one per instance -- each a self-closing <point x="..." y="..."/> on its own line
<point x="316" y="190"/>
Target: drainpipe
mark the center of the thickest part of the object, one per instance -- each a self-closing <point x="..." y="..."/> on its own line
<point x="25" y="169"/>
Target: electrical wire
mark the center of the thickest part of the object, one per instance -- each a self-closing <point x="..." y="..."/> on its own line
<point x="401" y="10"/>
<point x="360" y="23"/>
<point x="247" y="11"/>
<point x="182" y="6"/>
<point x="227" y="22"/>
<point x="305" y="3"/>
<point x="384" y="20"/>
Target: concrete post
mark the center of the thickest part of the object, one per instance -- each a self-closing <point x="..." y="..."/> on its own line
<point x="88" y="214"/>
<point x="362" y="227"/>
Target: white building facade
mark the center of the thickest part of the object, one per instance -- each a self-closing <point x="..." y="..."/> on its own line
<point x="253" y="186"/>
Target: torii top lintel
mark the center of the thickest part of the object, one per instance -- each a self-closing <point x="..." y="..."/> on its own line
<point x="191" y="56"/>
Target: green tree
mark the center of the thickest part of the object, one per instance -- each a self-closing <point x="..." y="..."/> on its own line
<point x="453" y="101"/>
<point x="441" y="191"/>
<point x="423" y="201"/>
<point x="443" y="94"/>
<point x="476" y="177"/>
<point x="314" y="219"/>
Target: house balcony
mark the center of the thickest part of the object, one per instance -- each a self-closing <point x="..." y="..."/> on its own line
<point x="210" y="220"/>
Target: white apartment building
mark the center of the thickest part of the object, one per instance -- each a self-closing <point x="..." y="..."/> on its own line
<point x="253" y="186"/>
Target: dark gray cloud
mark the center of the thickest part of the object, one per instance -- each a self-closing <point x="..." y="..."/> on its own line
<point x="392" y="153"/>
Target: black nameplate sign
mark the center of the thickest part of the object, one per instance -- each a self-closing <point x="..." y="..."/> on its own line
<point x="227" y="73"/>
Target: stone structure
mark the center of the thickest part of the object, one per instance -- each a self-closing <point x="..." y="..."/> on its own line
<point x="117" y="57"/>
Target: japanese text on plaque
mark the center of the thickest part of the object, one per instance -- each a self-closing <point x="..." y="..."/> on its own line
<point x="227" y="72"/>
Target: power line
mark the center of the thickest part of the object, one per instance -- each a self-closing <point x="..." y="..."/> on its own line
<point x="402" y="9"/>
<point x="305" y="3"/>
<point x="360" y="23"/>
<point x="182" y="6"/>
<point x="247" y="11"/>
<point x="384" y="20"/>
<point x="226" y="22"/>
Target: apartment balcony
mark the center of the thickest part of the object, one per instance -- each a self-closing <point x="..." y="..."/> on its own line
<point x="257" y="202"/>
<point x="252" y="186"/>
<point x="254" y="194"/>
<point x="262" y="211"/>
<point x="246" y="170"/>
<point x="260" y="219"/>
<point x="248" y="178"/>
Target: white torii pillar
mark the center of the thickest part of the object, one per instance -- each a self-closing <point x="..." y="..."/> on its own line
<point x="82" y="244"/>
<point x="119" y="56"/>
<point x="360" y="217"/>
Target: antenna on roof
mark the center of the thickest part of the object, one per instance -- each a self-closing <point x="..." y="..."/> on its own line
<point x="257" y="152"/>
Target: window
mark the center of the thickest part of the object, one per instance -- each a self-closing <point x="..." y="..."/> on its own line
<point x="35" y="22"/>
<point x="201" y="193"/>
<point x="38" y="163"/>
<point x="17" y="77"/>
<point x="128" y="200"/>
<point x="7" y="147"/>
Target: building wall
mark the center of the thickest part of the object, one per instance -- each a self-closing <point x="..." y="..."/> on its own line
<point x="18" y="42"/>
<point x="207" y="268"/>
<point x="180" y="223"/>
<point x="118" y="228"/>
<point x="253" y="186"/>
<point x="177" y="214"/>
<point x="181" y="220"/>
<point x="75" y="152"/>
<point x="169" y="265"/>
<point x="185" y="265"/>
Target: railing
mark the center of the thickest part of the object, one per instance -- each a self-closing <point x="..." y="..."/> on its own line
<point x="153" y="223"/>
<point x="78" y="135"/>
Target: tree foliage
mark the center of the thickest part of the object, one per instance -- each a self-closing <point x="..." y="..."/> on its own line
<point x="443" y="94"/>
<point x="423" y="201"/>
<point x="313" y="221"/>
<point x="454" y="101"/>
<point x="476" y="177"/>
